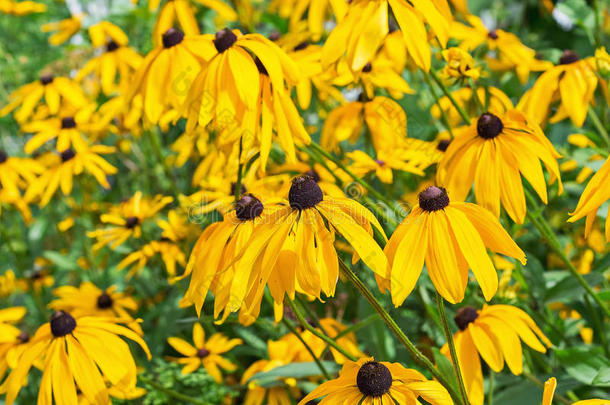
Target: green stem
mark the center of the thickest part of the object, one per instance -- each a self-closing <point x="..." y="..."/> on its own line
<point x="437" y="101"/>
<point x="237" y="187"/>
<point x="316" y="332"/>
<point x="490" y="394"/>
<point x="600" y="330"/>
<point x="389" y="321"/>
<point x="598" y="125"/>
<point x="171" y="392"/>
<point x="449" y="336"/>
<point x="447" y="93"/>
<point x="156" y="144"/>
<point x="535" y="380"/>
<point x="294" y="331"/>
<point x="545" y="230"/>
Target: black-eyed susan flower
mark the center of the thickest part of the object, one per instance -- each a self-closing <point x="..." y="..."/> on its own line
<point x="362" y="31"/>
<point x="64" y="29"/>
<point x="38" y="278"/>
<point x="50" y="91"/>
<point x="386" y="160"/>
<point x="16" y="173"/>
<point x="126" y="220"/>
<point x="63" y="166"/>
<point x="371" y="382"/>
<point x="171" y="255"/>
<point x="459" y="65"/>
<point x="316" y="12"/>
<point x="8" y="283"/>
<point x="495" y="334"/>
<point x="246" y="97"/>
<point x="451" y="237"/>
<point x="21" y="8"/>
<point x="333" y="329"/>
<point x="79" y="355"/>
<point x="205" y="352"/>
<point x="592" y="198"/>
<point x="166" y="73"/>
<point x="549" y="392"/>
<point x="89" y="300"/>
<point x="8" y="317"/>
<point x="572" y="82"/>
<point x="10" y="351"/>
<point x="493" y="153"/>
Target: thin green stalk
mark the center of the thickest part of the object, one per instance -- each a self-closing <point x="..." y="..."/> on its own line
<point x="475" y="95"/>
<point x="546" y="231"/>
<point x="599" y="326"/>
<point x="294" y="331"/>
<point x="391" y="323"/>
<point x="171" y="393"/>
<point x="449" y="336"/>
<point x="598" y="125"/>
<point x="437" y="101"/>
<point x="490" y="395"/>
<point x="156" y="144"/>
<point x="316" y="332"/>
<point x="536" y="381"/>
<point x="447" y="93"/>
<point x="353" y="328"/>
<point x="237" y="187"/>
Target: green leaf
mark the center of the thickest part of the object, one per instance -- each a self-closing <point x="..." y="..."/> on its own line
<point x="585" y="365"/>
<point x="61" y="261"/>
<point x="602" y="379"/>
<point x="295" y="370"/>
<point x="445" y="367"/>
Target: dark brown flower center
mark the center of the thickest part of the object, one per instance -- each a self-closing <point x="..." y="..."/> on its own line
<point x="367" y="68"/>
<point x="104" y="301"/>
<point x="248" y="207"/>
<point x="46" y="79"/>
<point x="172" y="37"/>
<point x="492" y="34"/>
<point x="274" y="36"/>
<point x="489" y="126"/>
<point x="3" y="156"/>
<point x="224" y="39"/>
<point x="304" y="193"/>
<point x="62" y="323"/>
<point x="433" y="199"/>
<point x="131" y="222"/>
<point x="68" y="122"/>
<point x="374" y="379"/>
<point x="111" y="46"/>
<point x="23" y="337"/>
<point x="201" y="353"/>
<point x="465" y="316"/>
<point x="301" y="46"/>
<point x="380" y="162"/>
<point x="568" y="56"/>
<point x="443" y="145"/>
<point x="313" y="174"/>
<point x="66" y="155"/>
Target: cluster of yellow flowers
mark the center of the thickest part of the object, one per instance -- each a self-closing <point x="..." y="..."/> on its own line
<point x="295" y="144"/>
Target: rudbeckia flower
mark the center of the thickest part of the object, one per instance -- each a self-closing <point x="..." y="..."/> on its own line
<point x="8" y="317"/>
<point x="592" y="198"/>
<point x="495" y="334"/>
<point x="549" y="391"/>
<point x="65" y="29"/>
<point x="88" y="300"/>
<point x="245" y="97"/>
<point x="10" y="351"/>
<point x="21" y="8"/>
<point x="572" y="82"/>
<point x="363" y="164"/>
<point x="127" y="220"/>
<point x="493" y="153"/>
<point x="166" y="74"/>
<point x="8" y="284"/>
<point x="369" y="382"/>
<point x="57" y="92"/>
<point x="78" y="354"/>
<point x="205" y="352"/>
<point x="16" y="172"/>
<point x="460" y="65"/>
<point x="335" y="330"/>
<point x="62" y="167"/>
<point x="362" y="31"/>
<point x="171" y="255"/>
<point x="317" y="12"/>
<point x="451" y="237"/>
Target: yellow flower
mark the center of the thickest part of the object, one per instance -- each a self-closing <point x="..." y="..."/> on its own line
<point x="62" y="167"/>
<point x="245" y="97"/>
<point x="171" y="254"/>
<point x="10" y="351"/>
<point x="592" y="198"/>
<point x="8" y="317"/>
<point x="332" y="328"/>
<point x="493" y="153"/>
<point x="79" y="354"/>
<point x="572" y="82"/>
<point x="57" y="92"/>
<point x="363" y="29"/>
<point x="17" y="173"/>
<point x="493" y="333"/>
<point x="88" y="300"/>
<point x="549" y="392"/>
<point x="317" y="12"/>
<point x="65" y="29"/>
<point x="460" y="64"/>
<point x="21" y="8"/>
<point x="451" y="237"/>
<point x="127" y="220"/>
<point x="8" y="284"/>
<point x="369" y="382"/>
<point x="105" y="31"/>
<point x="207" y="353"/>
<point x="382" y="166"/>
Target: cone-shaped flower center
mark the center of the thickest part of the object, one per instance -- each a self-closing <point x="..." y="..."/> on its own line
<point x="261" y="68"/>
<point x="367" y="68"/>
<point x="301" y="46"/>
<point x="374" y="379"/>
<point x="201" y="353"/>
<point x="104" y="301"/>
<point x="304" y="193"/>
<point x="313" y="174"/>
<point x="489" y="126"/>
<point x="131" y="222"/>
<point x="492" y="34"/>
<point x="248" y="207"/>
<point x="62" y="323"/>
<point x="66" y="155"/>
<point x="433" y="199"/>
<point x="274" y="36"/>
<point x="23" y="337"/>
<point x="68" y="122"/>
<point x="46" y="79"/>
<point x="464" y="316"/>
<point x="172" y="37"/>
<point x="224" y="39"/>
<point x="3" y="156"/>
<point x="443" y="145"/>
<point x="568" y="57"/>
<point x="111" y="46"/>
